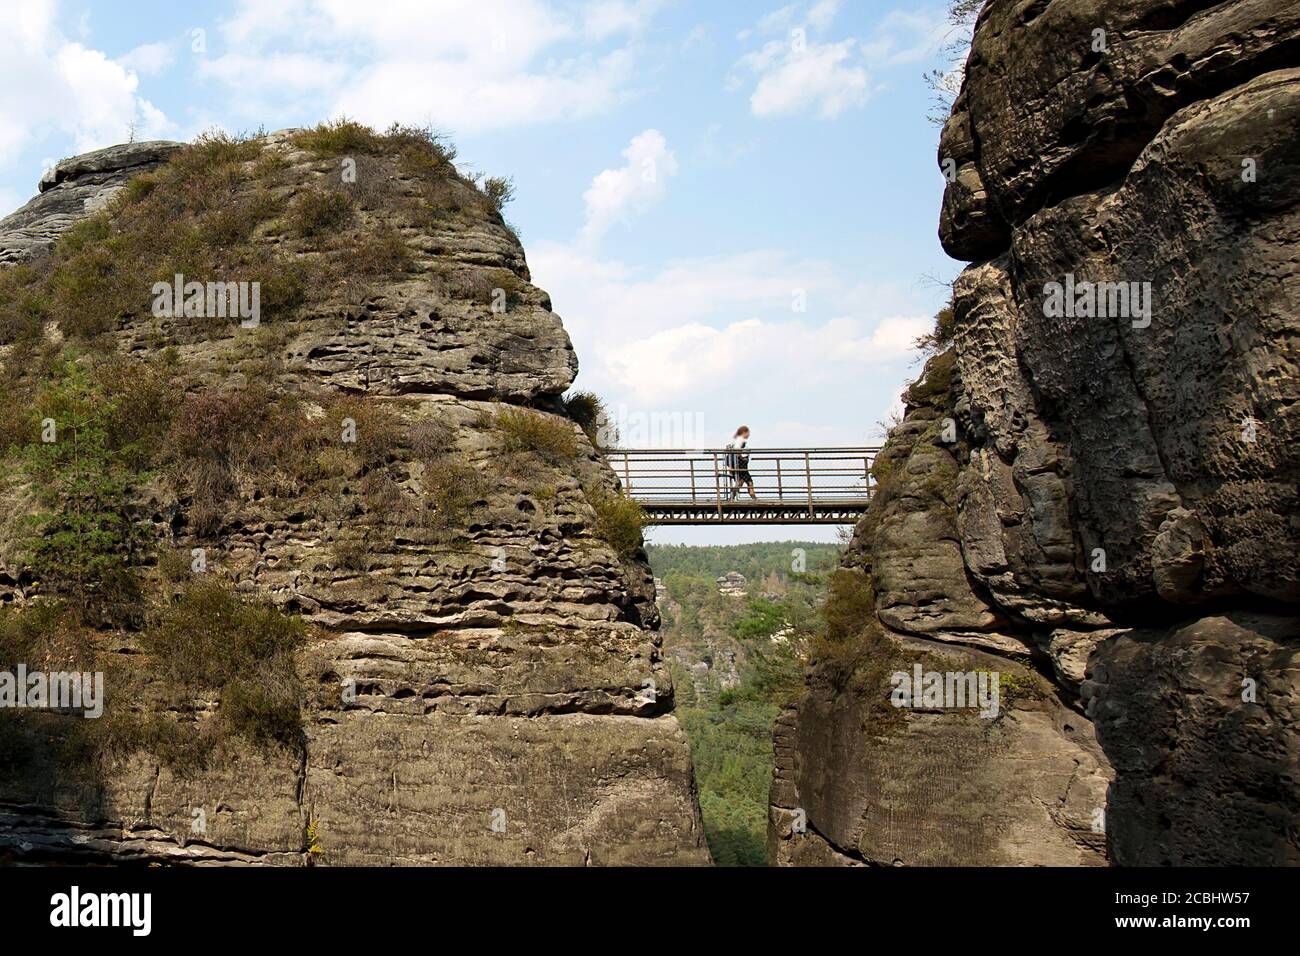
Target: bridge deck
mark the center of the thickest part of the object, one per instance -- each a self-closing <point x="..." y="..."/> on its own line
<point x="792" y="485"/>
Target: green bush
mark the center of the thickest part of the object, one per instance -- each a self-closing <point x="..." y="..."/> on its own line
<point x="452" y="490"/>
<point x="591" y="415"/>
<point x="216" y="434"/>
<point x="525" y="431"/>
<point x="141" y="398"/>
<point x="498" y="190"/>
<point x="935" y="384"/>
<point x="214" y="151"/>
<point x="731" y="752"/>
<point x="138" y="187"/>
<point x="429" y="439"/>
<point x="234" y="223"/>
<point x="85" y="543"/>
<point x="44" y="636"/>
<point x="423" y="152"/>
<point x="380" y="251"/>
<point x="265" y="709"/>
<point x="340" y="137"/>
<point x="420" y="147"/>
<point x="511" y="287"/>
<point x="197" y="215"/>
<point x="352" y="552"/>
<point x="211" y="640"/>
<point x="285" y="284"/>
<point x="384" y="497"/>
<point x="256" y="438"/>
<point x="941" y="337"/>
<point x="850" y="604"/>
<point x="216" y="212"/>
<point x="619" y="521"/>
<point x="206" y="643"/>
<point x="23" y="313"/>
<point x="317" y="211"/>
<point x="378" y="430"/>
<point x="209" y="636"/>
<point x="882" y="469"/>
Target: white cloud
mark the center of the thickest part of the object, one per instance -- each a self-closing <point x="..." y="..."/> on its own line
<point x="506" y="33"/>
<point x="295" y="73"/>
<point x="710" y="332"/>
<point x="778" y="20"/>
<point x="254" y="22"/>
<point x="617" y="195"/>
<point x="906" y="37"/>
<point x="803" y="75"/>
<point x="596" y="293"/>
<point x="697" y="38"/>
<point x="667" y="366"/>
<point x="83" y="94"/>
<point x="798" y="73"/>
<point x="149" y="59"/>
<point x="446" y="95"/>
<point x="798" y="347"/>
<point x="822" y="13"/>
<point x="818" y="16"/>
<point x="462" y="65"/>
<point x="715" y="147"/>
<point x="605" y="18"/>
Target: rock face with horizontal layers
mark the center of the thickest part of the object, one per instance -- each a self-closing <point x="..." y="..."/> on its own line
<point x="484" y="689"/>
<point x="1105" y="493"/>
<point x="70" y="191"/>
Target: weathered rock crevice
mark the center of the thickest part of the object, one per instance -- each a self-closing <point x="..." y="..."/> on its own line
<point x="1125" y="481"/>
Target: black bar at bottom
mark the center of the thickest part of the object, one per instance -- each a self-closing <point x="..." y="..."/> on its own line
<point x="359" y="907"/>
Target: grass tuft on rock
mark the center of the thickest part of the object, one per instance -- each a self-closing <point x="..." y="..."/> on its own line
<point x="588" y="410"/>
<point x="620" y="521"/>
<point x="524" y="431"/>
<point x="317" y="211"/>
<point x="211" y="640"/>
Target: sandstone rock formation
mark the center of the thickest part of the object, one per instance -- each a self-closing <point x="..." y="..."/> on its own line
<point x="485" y="688"/>
<point x="1106" y="496"/>
<point x="71" y="190"/>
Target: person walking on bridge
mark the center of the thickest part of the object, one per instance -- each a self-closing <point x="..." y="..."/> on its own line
<point x="738" y="463"/>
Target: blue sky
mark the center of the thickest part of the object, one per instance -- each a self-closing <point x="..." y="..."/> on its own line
<point x="733" y="205"/>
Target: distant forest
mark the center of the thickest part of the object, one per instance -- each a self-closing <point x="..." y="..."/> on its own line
<point x="732" y="677"/>
<point x="751" y="560"/>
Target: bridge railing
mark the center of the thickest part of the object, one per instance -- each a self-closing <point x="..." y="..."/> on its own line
<point x="788" y="476"/>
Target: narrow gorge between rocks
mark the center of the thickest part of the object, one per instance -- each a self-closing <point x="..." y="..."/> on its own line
<point x="365" y="590"/>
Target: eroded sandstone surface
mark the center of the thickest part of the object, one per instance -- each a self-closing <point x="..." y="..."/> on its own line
<point x="1109" y="500"/>
<point x="70" y="191"/>
<point x="485" y="688"/>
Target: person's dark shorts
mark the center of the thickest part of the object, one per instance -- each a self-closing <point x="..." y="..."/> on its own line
<point x="741" y="476"/>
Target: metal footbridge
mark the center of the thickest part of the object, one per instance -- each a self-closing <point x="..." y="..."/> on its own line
<point x="791" y="485"/>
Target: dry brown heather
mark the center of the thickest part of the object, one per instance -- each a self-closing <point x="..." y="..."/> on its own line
<point x="357" y="577"/>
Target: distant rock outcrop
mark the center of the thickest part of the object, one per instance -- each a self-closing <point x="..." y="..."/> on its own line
<point x="733" y="584"/>
<point x="1104" y="495"/>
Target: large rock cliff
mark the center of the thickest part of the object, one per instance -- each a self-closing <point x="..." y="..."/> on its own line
<point x="384" y="466"/>
<point x="1103" y="497"/>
